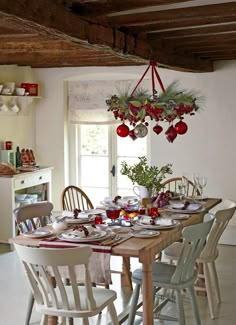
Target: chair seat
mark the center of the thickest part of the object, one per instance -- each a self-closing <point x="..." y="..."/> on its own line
<point x="161" y="276"/>
<point x="102" y="297"/>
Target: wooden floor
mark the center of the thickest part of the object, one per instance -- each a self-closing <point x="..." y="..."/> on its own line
<point x="14" y="293"/>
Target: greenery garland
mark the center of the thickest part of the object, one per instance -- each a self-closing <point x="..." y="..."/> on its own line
<point x="167" y="106"/>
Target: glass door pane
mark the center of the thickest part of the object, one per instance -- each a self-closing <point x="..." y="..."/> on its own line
<point x="100" y="149"/>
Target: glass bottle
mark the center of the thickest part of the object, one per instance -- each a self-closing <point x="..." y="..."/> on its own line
<point x="18" y="157"/>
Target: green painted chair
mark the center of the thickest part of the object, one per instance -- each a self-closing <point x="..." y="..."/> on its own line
<point x="177" y="277"/>
<point x="223" y="213"/>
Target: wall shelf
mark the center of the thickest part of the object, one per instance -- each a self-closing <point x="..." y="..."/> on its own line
<point x="7" y="102"/>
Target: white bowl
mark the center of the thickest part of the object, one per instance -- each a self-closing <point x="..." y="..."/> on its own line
<point x="20" y="91"/>
<point x="20" y="197"/>
<point x="25" y="202"/>
<point x="32" y="197"/>
<point x="6" y="91"/>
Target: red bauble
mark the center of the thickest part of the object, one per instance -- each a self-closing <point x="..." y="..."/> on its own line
<point x="157" y="129"/>
<point x="181" y="127"/>
<point x="122" y="130"/>
<point x="132" y="135"/>
<point x="171" y="133"/>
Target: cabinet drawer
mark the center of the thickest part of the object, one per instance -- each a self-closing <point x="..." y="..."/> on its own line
<point x="40" y="178"/>
<point x="23" y="182"/>
<point x="32" y="180"/>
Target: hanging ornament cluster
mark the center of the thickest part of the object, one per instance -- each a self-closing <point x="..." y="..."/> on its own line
<point x="171" y="106"/>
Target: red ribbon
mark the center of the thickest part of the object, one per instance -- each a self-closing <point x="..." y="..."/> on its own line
<point x="153" y="74"/>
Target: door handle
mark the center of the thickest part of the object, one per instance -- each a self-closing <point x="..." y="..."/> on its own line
<point x="113" y="170"/>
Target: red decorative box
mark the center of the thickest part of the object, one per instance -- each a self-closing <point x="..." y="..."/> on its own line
<point x="32" y="89"/>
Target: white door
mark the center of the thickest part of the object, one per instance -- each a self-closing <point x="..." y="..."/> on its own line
<point x="100" y="152"/>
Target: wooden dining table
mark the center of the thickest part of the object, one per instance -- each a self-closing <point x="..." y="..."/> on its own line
<point x="146" y="251"/>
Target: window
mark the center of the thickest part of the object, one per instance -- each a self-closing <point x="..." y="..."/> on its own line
<point x="101" y="151"/>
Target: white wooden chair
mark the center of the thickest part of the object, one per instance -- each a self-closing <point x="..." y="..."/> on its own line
<point x="209" y="253"/>
<point x="29" y="217"/>
<point x="57" y="299"/>
<point x="177" y="277"/>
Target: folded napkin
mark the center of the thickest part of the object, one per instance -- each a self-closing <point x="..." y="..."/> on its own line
<point x="70" y="214"/>
<point x="81" y="232"/>
<point x="159" y="221"/>
<point x="83" y="215"/>
<point x="67" y="214"/>
<point x="164" y="222"/>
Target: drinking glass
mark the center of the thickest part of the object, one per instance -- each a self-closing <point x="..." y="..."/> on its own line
<point x="195" y="184"/>
<point x="185" y="184"/>
<point x="180" y="189"/>
<point x="202" y="181"/>
<point x="113" y="214"/>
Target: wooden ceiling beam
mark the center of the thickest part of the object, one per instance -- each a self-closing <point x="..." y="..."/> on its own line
<point x="200" y="40"/>
<point x="45" y="16"/>
<point x="152" y="28"/>
<point x="97" y="8"/>
<point x="188" y="13"/>
<point x="197" y="31"/>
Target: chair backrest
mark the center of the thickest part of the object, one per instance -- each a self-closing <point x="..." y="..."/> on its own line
<point x="32" y="216"/>
<point x="74" y="198"/>
<point x="43" y="263"/>
<point x="194" y="238"/>
<point x="172" y="186"/>
<point x="222" y="216"/>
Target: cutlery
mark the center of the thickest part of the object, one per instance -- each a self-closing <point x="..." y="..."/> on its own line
<point x="111" y="240"/>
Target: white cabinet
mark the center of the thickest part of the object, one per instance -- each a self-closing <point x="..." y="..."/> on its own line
<point x="19" y="183"/>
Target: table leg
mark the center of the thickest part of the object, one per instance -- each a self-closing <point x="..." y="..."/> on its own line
<point x="126" y="273"/>
<point x="147" y="295"/>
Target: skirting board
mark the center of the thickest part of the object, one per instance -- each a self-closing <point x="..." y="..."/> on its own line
<point x="229" y="236"/>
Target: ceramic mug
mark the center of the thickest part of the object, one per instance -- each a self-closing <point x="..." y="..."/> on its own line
<point x="141" y="191"/>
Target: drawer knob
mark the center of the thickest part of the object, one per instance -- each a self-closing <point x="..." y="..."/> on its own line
<point x="40" y="177"/>
<point x="22" y="182"/>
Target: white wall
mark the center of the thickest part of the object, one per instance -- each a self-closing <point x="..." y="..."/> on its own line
<point x="19" y="128"/>
<point x="208" y="147"/>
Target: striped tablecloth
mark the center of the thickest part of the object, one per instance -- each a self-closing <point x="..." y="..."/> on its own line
<point x="99" y="263"/>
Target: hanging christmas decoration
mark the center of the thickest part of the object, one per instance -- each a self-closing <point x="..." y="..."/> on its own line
<point x="140" y="130"/>
<point x="169" y="105"/>
<point x="132" y="135"/>
<point x="181" y="127"/>
<point x="122" y="130"/>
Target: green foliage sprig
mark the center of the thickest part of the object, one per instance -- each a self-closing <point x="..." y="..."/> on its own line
<point x="142" y="174"/>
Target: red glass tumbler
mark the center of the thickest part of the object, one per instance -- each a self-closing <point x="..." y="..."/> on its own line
<point x="153" y="211"/>
<point x="98" y="220"/>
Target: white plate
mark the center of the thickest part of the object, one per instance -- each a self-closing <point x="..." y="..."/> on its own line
<point x="96" y="235"/>
<point x="38" y="233"/>
<point x="145" y="233"/>
<point x="180" y="216"/>
<point x="177" y="205"/>
<point x="174" y="223"/>
<point x="191" y="208"/>
<point x="197" y="198"/>
<point x="94" y="211"/>
<point x="79" y="220"/>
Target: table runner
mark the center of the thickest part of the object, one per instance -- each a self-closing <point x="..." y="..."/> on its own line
<point x="99" y="262"/>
